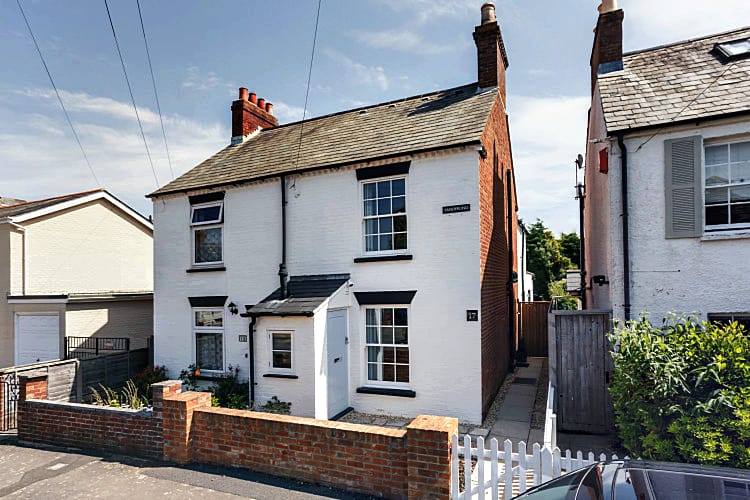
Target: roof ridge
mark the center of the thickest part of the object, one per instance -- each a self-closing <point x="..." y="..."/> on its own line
<point x="689" y="40"/>
<point x="53" y="198"/>
<point x="370" y="106"/>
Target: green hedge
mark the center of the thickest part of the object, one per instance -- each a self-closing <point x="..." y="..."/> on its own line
<point x="681" y="391"/>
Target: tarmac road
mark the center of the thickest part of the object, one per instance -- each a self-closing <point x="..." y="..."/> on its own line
<point x="53" y="473"/>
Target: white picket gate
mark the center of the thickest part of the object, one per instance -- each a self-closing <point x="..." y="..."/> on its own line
<point x="502" y="474"/>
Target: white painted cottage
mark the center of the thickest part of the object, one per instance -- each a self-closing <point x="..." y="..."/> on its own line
<point x="361" y="260"/>
<point x="667" y="220"/>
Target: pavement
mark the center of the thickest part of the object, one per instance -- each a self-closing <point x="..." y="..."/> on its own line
<point x="63" y="473"/>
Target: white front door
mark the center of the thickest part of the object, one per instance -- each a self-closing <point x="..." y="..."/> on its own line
<point x="37" y="337"/>
<point x="338" y="362"/>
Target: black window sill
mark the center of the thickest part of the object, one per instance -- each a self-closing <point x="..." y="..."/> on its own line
<point x="384" y="258"/>
<point x="205" y="269"/>
<point x="211" y="376"/>
<point x="280" y="375"/>
<point x="403" y="393"/>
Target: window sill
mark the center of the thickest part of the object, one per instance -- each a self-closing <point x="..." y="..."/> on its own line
<point x="280" y="375"/>
<point x="727" y="235"/>
<point x="205" y="269"/>
<point x="212" y="375"/>
<point x="384" y="258"/>
<point x="383" y="391"/>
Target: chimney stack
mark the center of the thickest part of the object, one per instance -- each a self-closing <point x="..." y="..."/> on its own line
<point x="606" y="54"/>
<point x="249" y="114"/>
<point x="492" y="60"/>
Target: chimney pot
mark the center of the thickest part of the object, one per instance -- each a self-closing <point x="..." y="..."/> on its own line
<point x="262" y="103"/>
<point x="269" y="108"/>
<point x="488" y="13"/>
<point x="249" y="114"/>
<point x="253" y="98"/>
<point x="607" y="6"/>
<point x="243" y="94"/>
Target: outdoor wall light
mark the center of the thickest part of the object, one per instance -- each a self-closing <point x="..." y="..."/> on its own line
<point x="599" y="279"/>
<point x="233" y="308"/>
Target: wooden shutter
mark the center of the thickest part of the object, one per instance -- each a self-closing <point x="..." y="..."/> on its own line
<point x="684" y="200"/>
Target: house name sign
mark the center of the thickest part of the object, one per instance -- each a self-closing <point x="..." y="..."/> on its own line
<point x="453" y="209"/>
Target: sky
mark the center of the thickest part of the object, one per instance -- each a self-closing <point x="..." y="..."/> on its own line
<point x="367" y="51"/>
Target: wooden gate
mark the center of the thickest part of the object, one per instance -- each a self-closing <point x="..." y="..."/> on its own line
<point x="534" y="327"/>
<point x="583" y="369"/>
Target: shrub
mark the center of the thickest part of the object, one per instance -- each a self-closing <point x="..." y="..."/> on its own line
<point x="150" y="375"/>
<point x="563" y="300"/>
<point x="273" y="405"/>
<point x="681" y="391"/>
<point x="229" y="391"/>
<point x="189" y="377"/>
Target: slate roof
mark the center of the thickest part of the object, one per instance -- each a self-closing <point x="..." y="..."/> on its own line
<point x="431" y="121"/>
<point x="4" y="202"/>
<point x="306" y="293"/>
<point x="30" y="206"/>
<point x="677" y="82"/>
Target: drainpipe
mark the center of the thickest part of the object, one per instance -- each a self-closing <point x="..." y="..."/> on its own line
<point x="511" y="295"/>
<point x="522" y="270"/>
<point x="251" y="347"/>
<point x="625" y="237"/>
<point x="283" y="274"/>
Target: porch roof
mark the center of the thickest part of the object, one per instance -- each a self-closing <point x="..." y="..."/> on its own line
<point x="306" y="294"/>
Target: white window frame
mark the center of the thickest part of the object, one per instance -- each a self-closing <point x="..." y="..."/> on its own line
<point x="275" y="369"/>
<point x="364" y="218"/>
<point x="366" y="382"/>
<point x="720" y="228"/>
<point x="200" y="226"/>
<point x="209" y="329"/>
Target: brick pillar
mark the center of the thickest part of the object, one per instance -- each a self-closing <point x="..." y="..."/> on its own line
<point x="177" y="420"/>
<point x="31" y="387"/>
<point x="428" y="447"/>
<point x="164" y="390"/>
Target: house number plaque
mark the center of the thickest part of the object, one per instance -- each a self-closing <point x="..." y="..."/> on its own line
<point x="243" y="338"/>
<point x="472" y="315"/>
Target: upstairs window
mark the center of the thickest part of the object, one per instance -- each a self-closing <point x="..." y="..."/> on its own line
<point x="384" y="215"/>
<point x="727" y="186"/>
<point x="206" y="221"/>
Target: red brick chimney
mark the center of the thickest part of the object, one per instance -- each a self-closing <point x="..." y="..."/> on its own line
<point x="492" y="61"/>
<point x="606" y="54"/>
<point x="250" y="113"/>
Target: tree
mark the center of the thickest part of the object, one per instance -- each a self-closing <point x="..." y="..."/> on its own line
<point x="570" y="245"/>
<point x="545" y="258"/>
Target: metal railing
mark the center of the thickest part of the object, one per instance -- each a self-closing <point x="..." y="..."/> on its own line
<point x="93" y="347"/>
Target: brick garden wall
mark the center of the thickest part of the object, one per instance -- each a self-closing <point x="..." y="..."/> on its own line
<point x="184" y="428"/>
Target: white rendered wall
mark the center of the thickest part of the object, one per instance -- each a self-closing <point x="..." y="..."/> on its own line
<point x="598" y="211"/>
<point x="702" y="275"/>
<point x="324" y="236"/>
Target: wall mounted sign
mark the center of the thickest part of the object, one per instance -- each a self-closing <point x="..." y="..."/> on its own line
<point x="243" y="338"/>
<point x="472" y="315"/>
<point x="453" y="209"/>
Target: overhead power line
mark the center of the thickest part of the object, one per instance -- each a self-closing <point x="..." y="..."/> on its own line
<point x="132" y="98"/>
<point x="309" y="77"/>
<point x="57" y="93"/>
<point x="156" y="94"/>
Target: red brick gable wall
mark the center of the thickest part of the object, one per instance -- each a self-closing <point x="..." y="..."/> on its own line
<point x="494" y="244"/>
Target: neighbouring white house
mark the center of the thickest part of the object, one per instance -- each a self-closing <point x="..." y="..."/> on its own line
<point x="360" y="260"/>
<point x="667" y="217"/>
<point x="525" y="277"/>
<point x="78" y="265"/>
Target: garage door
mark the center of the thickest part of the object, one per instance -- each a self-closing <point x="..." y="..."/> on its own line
<point x="37" y="338"/>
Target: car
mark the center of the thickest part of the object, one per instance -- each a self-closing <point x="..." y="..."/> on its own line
<point x="645" y="480"/>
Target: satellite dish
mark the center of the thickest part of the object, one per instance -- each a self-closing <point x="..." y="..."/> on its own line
<point x="579" y="161"/>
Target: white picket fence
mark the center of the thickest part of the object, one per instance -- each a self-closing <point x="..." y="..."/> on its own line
<point x="502" y="474"/>
<point x="550" y="419"/>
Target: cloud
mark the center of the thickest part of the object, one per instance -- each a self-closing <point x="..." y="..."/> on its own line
<point x="547" y="134"/>
<point x="197" y="80"/>
<point x="41" y="158"/>
<point x="287" y="113"/>
<point x="360" y="73"/>
<point x="404" y="40"/>
<point x="427" y="10"/>
<point x="649" y="23"/>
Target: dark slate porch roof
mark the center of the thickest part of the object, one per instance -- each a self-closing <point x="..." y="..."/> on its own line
<point x="306" y="293"/>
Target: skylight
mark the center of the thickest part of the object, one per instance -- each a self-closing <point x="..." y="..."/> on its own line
<point x="736" y="49"/>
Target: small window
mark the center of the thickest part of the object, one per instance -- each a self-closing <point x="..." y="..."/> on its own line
<point x="387" y="345"/>
<point x="208" y="329"/>
<point x="727" y="186"/>
<point x="384" y="215"/>
<point x="206" y="221"/>
<point x="736" y="49"/>
<point x="726" y="318"/>
<point x="281" y="350"/>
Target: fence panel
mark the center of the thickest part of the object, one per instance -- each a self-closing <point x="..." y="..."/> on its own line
<point x="113" y="370"/>
<point x="534" y="327"/>
<point x="510" y="474"/>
